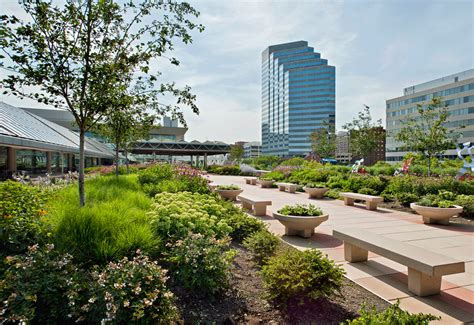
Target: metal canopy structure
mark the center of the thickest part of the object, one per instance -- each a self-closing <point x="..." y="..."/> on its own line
<point x="182" y="148"/>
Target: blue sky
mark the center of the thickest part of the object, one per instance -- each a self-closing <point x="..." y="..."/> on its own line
<point x="378" y="48"/>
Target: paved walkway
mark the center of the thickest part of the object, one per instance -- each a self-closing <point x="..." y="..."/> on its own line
<point x="379" y="275"/>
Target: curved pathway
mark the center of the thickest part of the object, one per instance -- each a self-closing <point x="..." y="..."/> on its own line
<point x="379" y="275"/>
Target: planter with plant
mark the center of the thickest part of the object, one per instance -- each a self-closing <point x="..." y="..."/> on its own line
<point x="316" y="190"/>
<point x="229" y="192"/>
<point x="266" y="181"/>
<point x="300" y="219"/>
<point x="437" y="208"/>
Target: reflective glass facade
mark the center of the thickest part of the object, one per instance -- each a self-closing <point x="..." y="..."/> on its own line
<point x="298" y="97"/>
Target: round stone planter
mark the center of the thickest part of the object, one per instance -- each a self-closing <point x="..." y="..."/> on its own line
<point x="229" y="194"/>
<point x="266" y="184"/>
<point x="315" y="192"/>
<point x="302" y="226"/>
<point x="436" y="215"/>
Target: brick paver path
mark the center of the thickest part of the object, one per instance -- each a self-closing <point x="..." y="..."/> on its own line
<point x="381" y="276"/>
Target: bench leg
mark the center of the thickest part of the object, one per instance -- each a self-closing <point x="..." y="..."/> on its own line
<point x="260" y="209"/>
<point x="423" y="284"/>
<point x="246" y="205"/>
<point x="253" y="182"/>
<point x="291" y="190"/>
<point x="354" y="254"/>
<point x="247" y="181"/>
<point x="281" y="188"/>
<point x="371" y="205"/>
<point x="348" y="201"/>
<point x="428" y="220"/>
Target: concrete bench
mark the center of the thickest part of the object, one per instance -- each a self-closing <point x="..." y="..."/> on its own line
<point x="290" y="187"/>
<point x="255" y="204"/>
<point x="425" y="268"/>
<point x="370" y="200"/>
<point x="251" y="180"/>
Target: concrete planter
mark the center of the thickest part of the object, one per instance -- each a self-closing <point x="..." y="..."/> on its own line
<point x="436" y="215"/>
<point x="266" y="184"/>
<point x="229" y="194"/>
<point x="315" y="192"/>
<point x="300" y="225"/>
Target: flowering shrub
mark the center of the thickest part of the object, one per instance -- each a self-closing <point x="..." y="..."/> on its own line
<point x="224" y="170"/>
<point x="35" y="287"/>
<point x="261" y="245"/>
<point x="301" y="274"/>
<point x="155" y="174"/>
<point x="21" y="210"/>
<point x="175" y="214"/>
<point x="127" y="291"/>
<point x="201" y="263"/>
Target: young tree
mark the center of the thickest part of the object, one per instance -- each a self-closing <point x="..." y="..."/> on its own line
<point x="73" y="55"/>
<point x="364" y="135"/>
<point x="426" y="133"/>
<point x="323" y="142"/>
<point x="236" y="152"/>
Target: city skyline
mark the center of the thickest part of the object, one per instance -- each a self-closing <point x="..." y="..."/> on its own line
<point x="375" y="58"/>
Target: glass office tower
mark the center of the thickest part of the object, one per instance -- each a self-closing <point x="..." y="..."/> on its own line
<point x="298" y="97"/>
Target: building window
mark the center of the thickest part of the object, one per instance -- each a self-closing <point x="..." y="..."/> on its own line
<point x="31" y="161"/>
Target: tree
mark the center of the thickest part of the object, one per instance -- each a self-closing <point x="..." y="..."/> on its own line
<point x="427" y="132"/>
<point x="364" y="135"/>
<point x="236" y="152"/>
<point x="75" y="55"/>
<point x="323" y="141"/>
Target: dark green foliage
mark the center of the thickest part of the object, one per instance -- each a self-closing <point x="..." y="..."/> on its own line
<point x="332" y="194"/>
<point x="231" y="187"/>
<point x="301" y="210"/>
<point x="274" y="176"/>
<point x="201" y="263"/>
<point x="467" y="202"/>
<point x="432" y="200"/>
<point x="127" y="292"/>
<point x="381" y="168"/>
<point x="156" y="174"/>
<point x="393" y="315"/>
<point x="224" y="170"/>
<point x="194" y="185"/>
<point x="368" y="191"/>
<point x="405" y="198"/>
<point x="296" y="161"/>
<point x="261" y="245"/>
<point x="36" y="286"/>
<point x="21" y="211"/>
<point x="301" y="274"/>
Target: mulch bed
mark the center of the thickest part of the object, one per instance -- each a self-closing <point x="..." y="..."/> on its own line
<point x="243" y="303"/>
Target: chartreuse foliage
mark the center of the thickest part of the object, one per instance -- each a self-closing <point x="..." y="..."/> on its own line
<point x="393" y="315"/>
<point x="112" y="225"/>
<point x="301" y="274"/>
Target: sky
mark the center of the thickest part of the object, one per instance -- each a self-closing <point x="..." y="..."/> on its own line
<point x="377" y="47"/>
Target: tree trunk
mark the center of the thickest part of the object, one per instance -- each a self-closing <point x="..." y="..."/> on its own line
<point x="116" y="160"/>
<point x="126" y="162"/>
<point x="82" y="199"/>
<point x="429" y="165"/>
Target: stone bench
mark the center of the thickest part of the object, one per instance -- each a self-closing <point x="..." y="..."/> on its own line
<point x="425" y="268"/>
<point x="251" y="180"/>
<point x="255" y="204"/>
<point x="371" y="201"/>
<point x="290" y="187"/>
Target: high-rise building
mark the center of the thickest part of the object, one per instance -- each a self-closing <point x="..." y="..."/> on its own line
<point x="343" y="154"/>
<point x="252" y="149"/>
<point x="457" y="92"/>
<point x="298" y="97"/>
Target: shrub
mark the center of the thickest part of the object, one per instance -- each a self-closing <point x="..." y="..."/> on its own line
<point x="315" y="185"/>
<point x="242" y="224"/>
<point x="201" y="263"/>
<point x="261" y="245"/>
<point x="224" y="170"/>
<point x="36" y="285"/>
<point x="301" y="210"/>
<point x="405" y="198"/>
<point x="155" y="174"/>
<point x="173" y="215"/>
<point x="368" y="191"/>
<point x="112" y="225"/>
<point x="296" y="161"/>
<point x="436" y="201"/>
<point x="393" y="315"/>
<point x="21" y="211"/>
<point x="301" y="274"/>
<point x="182" y="184"/>
<point x="312" y="175"/>
<point x="274" y="176"/>
<point x="333" y="194"/>
<point x="127" y="291"/>
<point x="467" y="202"/>
<point x="231" y="187"/>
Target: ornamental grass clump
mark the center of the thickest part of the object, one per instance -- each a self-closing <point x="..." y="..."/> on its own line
<point x="301" y="274"/>
<point x="261" y="245"/>
<point x="201" y="263"/>
<point x="300" y="210"/>
<point x="127" y="291"/>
